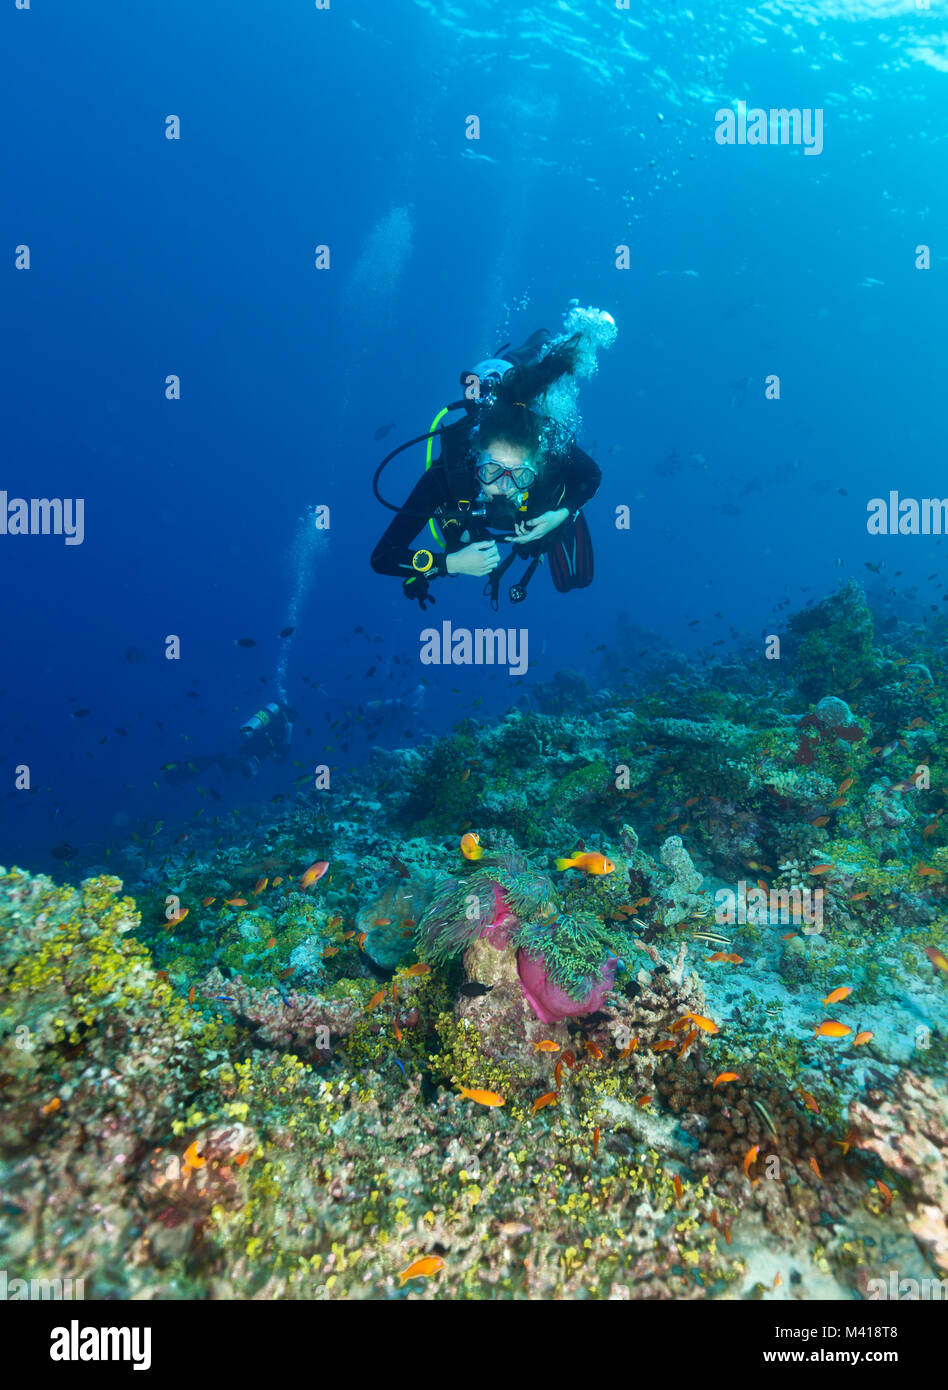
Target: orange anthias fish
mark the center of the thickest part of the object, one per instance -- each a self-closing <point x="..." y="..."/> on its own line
<point x="276" y="883"/>
<point x="862" y="1038"/>
<point x="642" y="1101"/>
<point x="206" y="902"/>
<point x="235" y="902"/>
<point x="937" y="958"/>
<point x="259" y="886"/>
<point x="314" y="873"/>
<point x="51" y="1106"/>
<point x="847" y="1143"/>
<point x="886" y="1191"/>
<point x="361" y="939"/>
<point x="192" y="995"/>
<point x="821" y="868"/>
<point x="689" y="1039"/>
<point x="724" y="1076"/>
<point x="836" y="996"/>
<point x="173" y="921"/>
<point x="558" y="1073"/>
<point x="816" y="1167"/>
<point x="471" y="845"/>
<point x="482" y="1097"/>
<point x="417" y="970"/>
<point x="546" y="1046"/>
<point x="376" y="999"/>
<point x="830" y="1028"/>
<point x="808" y="1100"/>
<point x="593" y="1049"/>
<point x="595" y="1141"/>
<point x="422" y="1268"/>
<point x="591" y="863"/>
<point x="749" y="1158"/>
<point x="192" y="1158"/>
<point x="706" y="1025"/>
<point x="548" y="1099"/>
<point x="844" y="786"/>
<point x="629" y="1048"/>
<point x="664" y="1045"/>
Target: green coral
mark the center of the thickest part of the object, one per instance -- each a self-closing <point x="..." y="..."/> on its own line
<point x="836" y="651"/>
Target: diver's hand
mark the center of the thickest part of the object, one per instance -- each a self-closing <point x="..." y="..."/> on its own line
<point x="477" y="559"/>
<point x="526" y="531"/>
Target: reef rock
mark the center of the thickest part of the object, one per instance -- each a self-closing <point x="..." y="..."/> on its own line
<point x="908" y="1130"/>
<point x="388" y="920"/>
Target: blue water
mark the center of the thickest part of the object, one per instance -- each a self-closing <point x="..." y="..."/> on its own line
<point x="195" y="257"/>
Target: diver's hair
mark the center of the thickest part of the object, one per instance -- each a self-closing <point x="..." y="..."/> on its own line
<point x="527" y="381"/>
<point x="512" y="423"/>
<point x="504" y="415"/>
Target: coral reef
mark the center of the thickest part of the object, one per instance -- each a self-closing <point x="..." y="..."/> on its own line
<point x="563" y="1085"/>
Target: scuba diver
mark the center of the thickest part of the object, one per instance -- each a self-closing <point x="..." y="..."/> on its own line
<point x="266" y="734"/>
<point x="506" y="474"/>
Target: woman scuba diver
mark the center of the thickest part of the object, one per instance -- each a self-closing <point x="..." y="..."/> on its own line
<point x="506" y="474"/>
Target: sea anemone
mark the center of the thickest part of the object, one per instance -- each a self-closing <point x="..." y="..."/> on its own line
<point x="491" y="903"/>
<point x="567" y="966"/>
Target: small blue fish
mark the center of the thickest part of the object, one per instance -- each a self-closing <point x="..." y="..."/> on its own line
<point x="230" y="998"/>
<point x="398" y="1064"/>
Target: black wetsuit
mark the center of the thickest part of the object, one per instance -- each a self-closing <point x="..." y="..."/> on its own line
<point x="569" y="479"/>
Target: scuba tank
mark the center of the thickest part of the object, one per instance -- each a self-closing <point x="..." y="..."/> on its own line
<point x="258" y="727"/>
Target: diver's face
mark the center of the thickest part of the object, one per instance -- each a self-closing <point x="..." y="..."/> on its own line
<point x="496" y="457"/>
